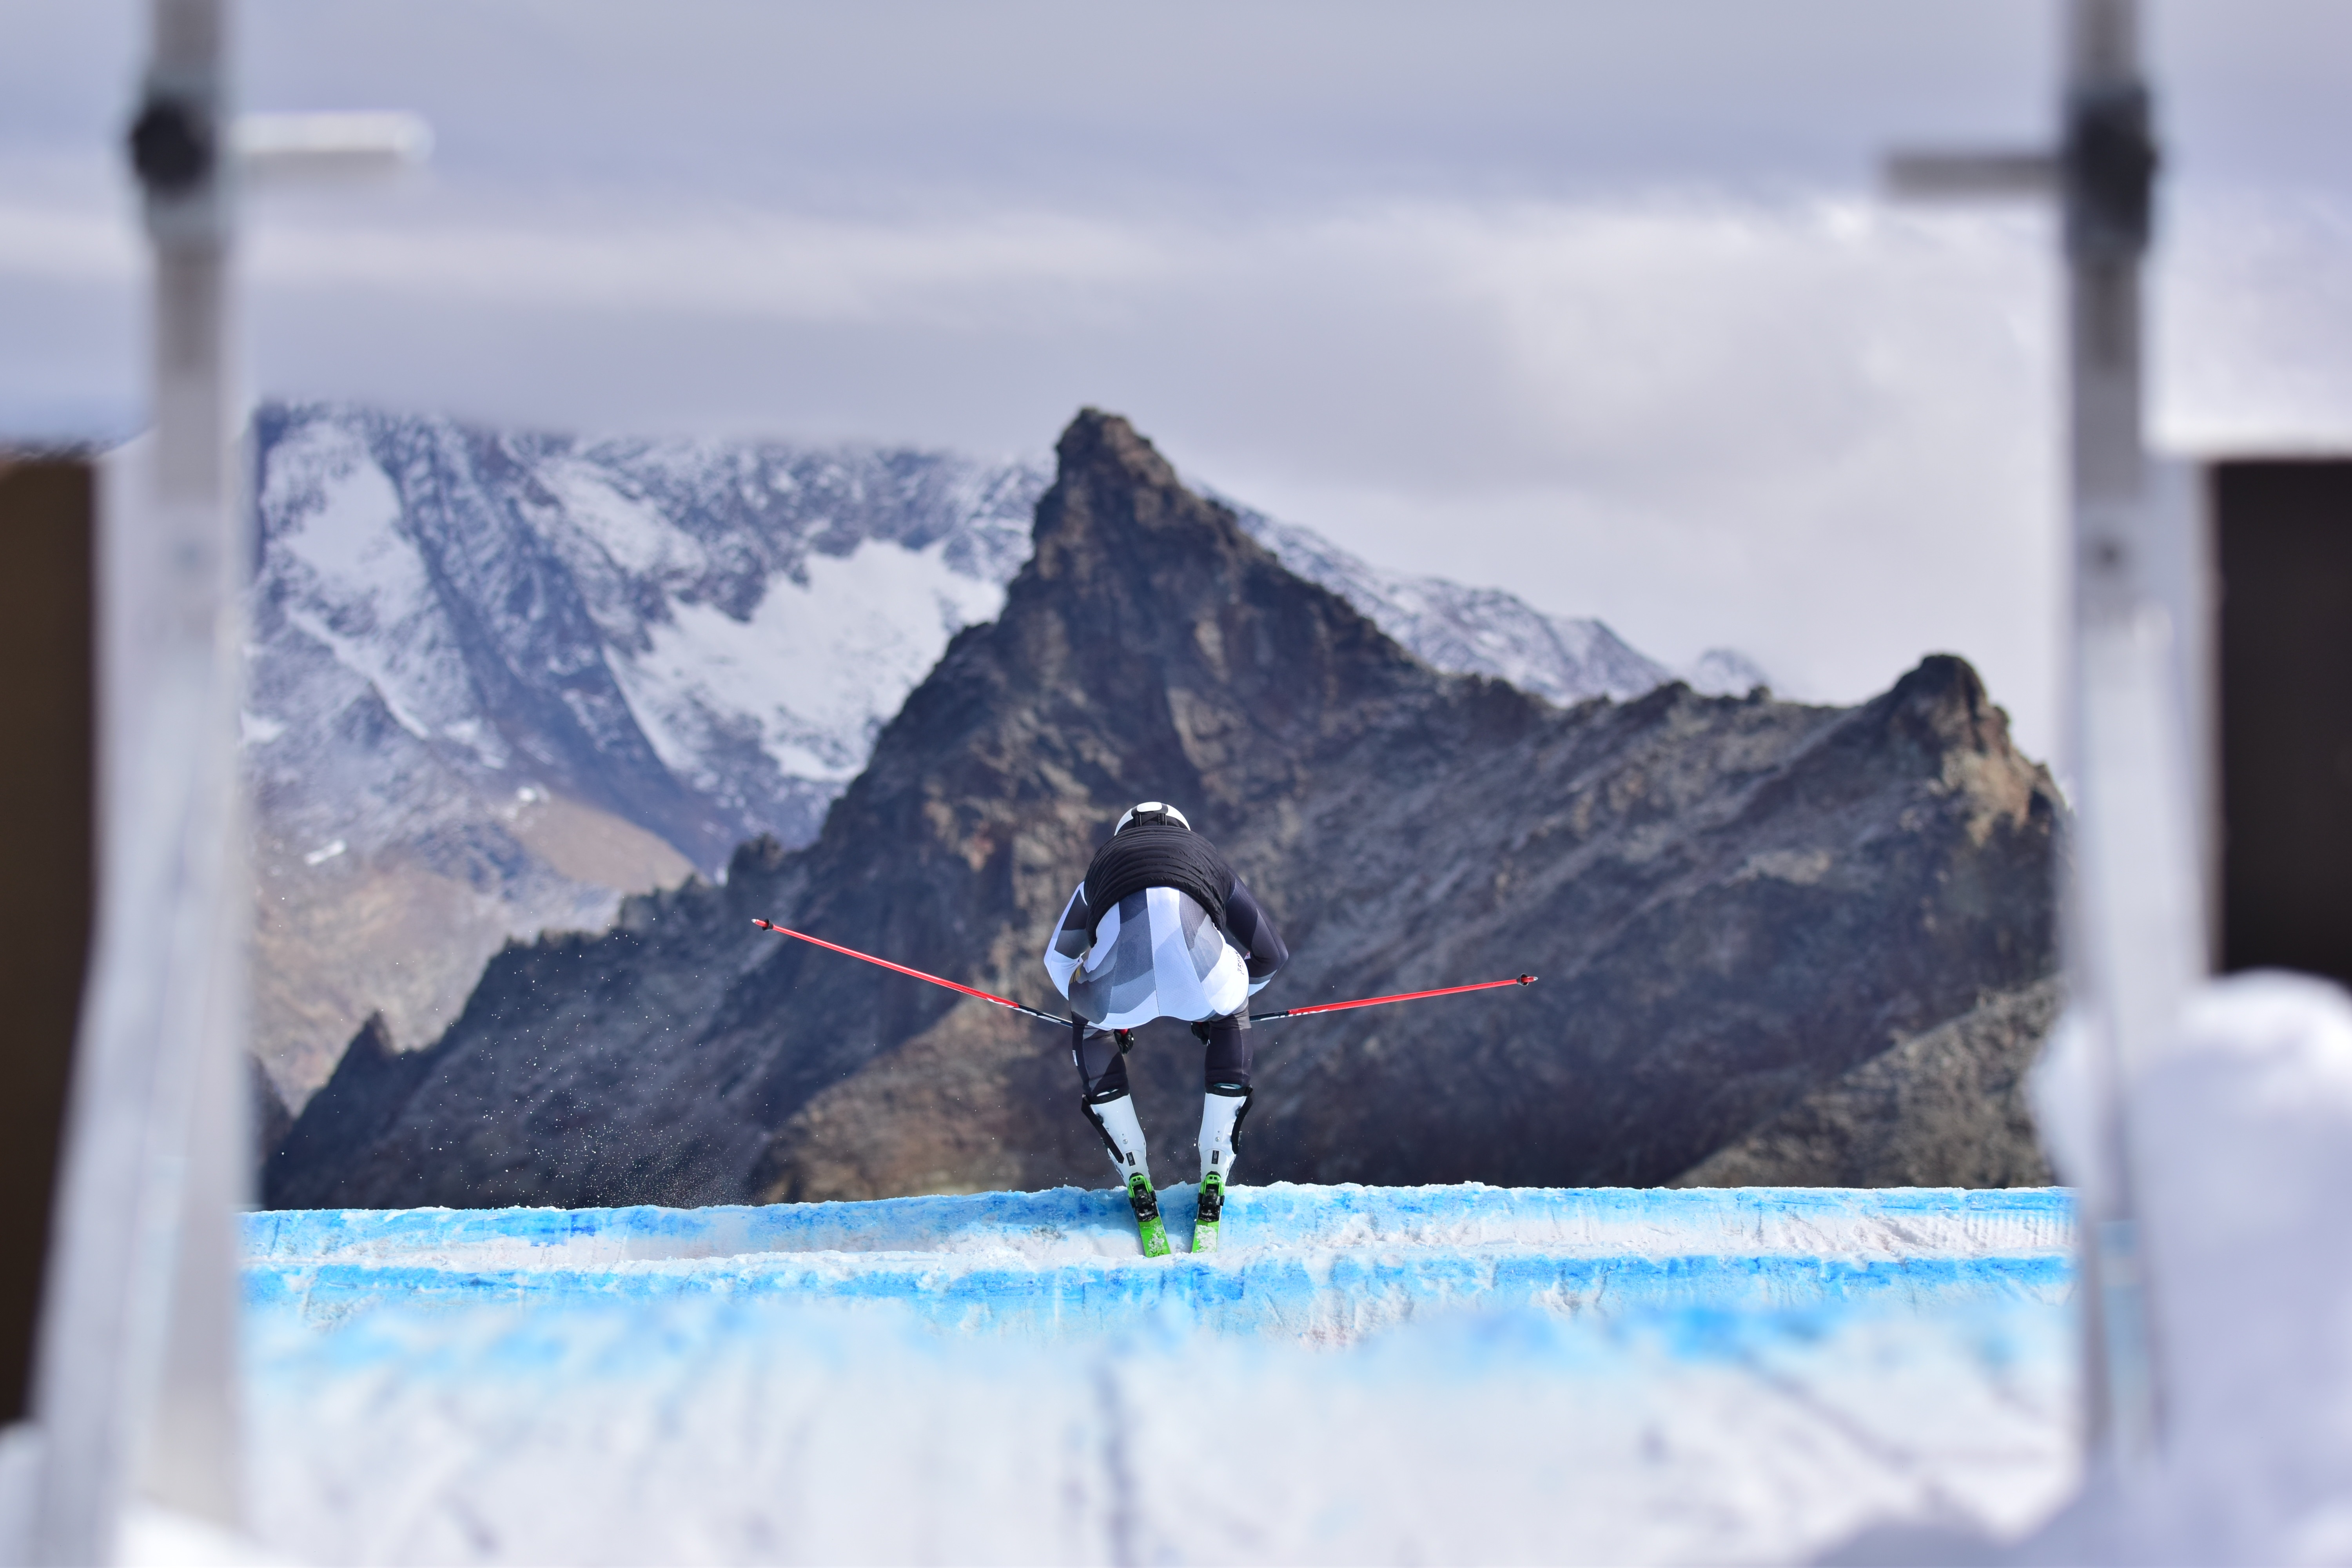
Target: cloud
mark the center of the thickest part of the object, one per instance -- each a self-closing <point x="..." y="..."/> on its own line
<point x="992" y="271"/>
<point x="2253" y="321"/>
<point x="1807" y="425"/>
<point x="1815" y="428"/>
<point x="41" y="243"/>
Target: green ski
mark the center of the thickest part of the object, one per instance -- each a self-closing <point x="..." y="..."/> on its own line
<point x="1146" y="1215"/>
<point x="1213" y="1210"/>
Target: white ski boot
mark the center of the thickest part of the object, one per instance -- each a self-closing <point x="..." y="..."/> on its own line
<point x="1122" y="1135"/>
<point x="1221" y="1110"/>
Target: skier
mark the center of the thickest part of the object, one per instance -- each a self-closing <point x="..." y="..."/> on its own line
<point x="1161" y="927"/>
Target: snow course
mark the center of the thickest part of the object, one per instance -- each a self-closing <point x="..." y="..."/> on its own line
<point x="1366" y="1374"/>
<point x="1313" y="1263"/>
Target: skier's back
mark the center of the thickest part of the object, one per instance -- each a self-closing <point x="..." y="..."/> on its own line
<point x="1161" y="928"/>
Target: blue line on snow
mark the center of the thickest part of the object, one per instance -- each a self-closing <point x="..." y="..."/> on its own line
<point x="1303" y="1263"/>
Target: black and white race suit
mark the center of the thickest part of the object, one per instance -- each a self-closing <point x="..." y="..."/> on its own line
<point x="1161" y="927"/>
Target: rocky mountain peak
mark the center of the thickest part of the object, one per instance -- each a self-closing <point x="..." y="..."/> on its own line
<point x="1115" y="498"/>
<point x="1096" y="443"/>
<point x="1941" y="713"/>
<point x="1941" y="705"/>
<point x="1147" y="585"/>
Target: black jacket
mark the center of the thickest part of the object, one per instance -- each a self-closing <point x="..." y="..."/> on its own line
<point x="1163" y="855"/>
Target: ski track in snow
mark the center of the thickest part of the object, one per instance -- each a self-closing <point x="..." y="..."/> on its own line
<point x="1365" y="1375"/>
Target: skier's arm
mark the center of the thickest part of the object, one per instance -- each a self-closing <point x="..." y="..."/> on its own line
<point x="1251" y="931"/>
<point x="1069" y="944"/>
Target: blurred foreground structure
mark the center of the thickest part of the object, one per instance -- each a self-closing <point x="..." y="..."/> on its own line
<point x="2203" y="837"/>
<point x="2139" y="704"/>
<point x="132" y="1373"/>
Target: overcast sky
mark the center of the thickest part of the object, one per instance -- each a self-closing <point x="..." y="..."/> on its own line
<point x="1597" y="303"/>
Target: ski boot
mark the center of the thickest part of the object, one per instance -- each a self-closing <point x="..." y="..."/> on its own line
<point x="1221" y="1110"/>
<point x="1122" y="1134"/>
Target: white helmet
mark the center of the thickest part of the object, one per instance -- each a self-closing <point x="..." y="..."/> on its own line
<point x="1151" y="808"/>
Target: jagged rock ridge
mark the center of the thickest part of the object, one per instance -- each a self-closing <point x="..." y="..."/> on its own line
<point x="1731" y="900"/>
<point x="1946" y="1108"/>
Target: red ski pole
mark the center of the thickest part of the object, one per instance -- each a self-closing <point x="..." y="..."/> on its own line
<point x="1055" y="1018"/>
<point x="967" y="990"/>
<point x="1376" y="1000"/>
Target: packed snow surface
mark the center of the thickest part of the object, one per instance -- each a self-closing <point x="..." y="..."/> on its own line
<point x="1361" y="1374"/>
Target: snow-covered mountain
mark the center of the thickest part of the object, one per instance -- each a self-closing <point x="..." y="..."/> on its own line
<point x="499" y="679"/>
<point x="702" y="637"/>
<point x="1487" y="631"/>
<point x="1724" y="672"/>
<point x="1476" y="631"/>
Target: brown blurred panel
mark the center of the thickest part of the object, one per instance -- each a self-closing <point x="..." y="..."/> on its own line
<point x="48" y="865"/>
<point x="2285" y="528"/>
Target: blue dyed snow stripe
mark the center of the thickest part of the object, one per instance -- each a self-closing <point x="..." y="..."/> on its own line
<point x="1070" y="1222"/>
<point x="1301" y="1262"/>
<point x="1289" y="1295"/>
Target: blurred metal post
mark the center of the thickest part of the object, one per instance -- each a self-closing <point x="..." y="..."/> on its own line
<point x="2136" y="912"/>
<point x="140" y="1302"/>
<point x="136" y="1391"/>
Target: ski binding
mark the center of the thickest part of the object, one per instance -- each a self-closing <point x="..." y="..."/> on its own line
<point x="1146" y="1215"/>
<point x="1212" y="1209"/>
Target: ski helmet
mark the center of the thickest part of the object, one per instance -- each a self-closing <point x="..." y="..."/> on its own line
<point x="1151" y="808"/>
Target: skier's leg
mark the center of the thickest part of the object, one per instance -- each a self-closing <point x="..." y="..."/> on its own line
<point x="1225" y="1092"/>
<point x="1104" y="1097"/>
<point x="1101" y="1060"/>
<point x="1230" y="1053"/>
